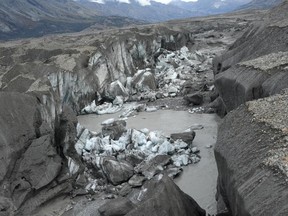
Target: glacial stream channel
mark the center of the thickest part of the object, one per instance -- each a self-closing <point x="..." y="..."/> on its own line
<point x="197" y="180"/>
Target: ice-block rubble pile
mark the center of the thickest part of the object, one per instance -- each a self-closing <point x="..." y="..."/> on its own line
<point x="169" y="77"/>
<point x="117" y="155"/>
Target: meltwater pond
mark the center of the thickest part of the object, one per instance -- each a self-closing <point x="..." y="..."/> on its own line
<point x="197" y="180"/>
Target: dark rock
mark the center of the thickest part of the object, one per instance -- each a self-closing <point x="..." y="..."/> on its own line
<point x="190" y="87"/>
<point x="161" y="196"/>
<point x="126" y="189"/>
<point x="116" y="171"/>
<point x="116" y="207"/>
<point x="154" y="166"/>
<point x="136" y="181"/>
<point x="114" y="130"/>
<point x="135" y="159"/>
<point x="195" y="99"/>
<point x="159" y="95"/>
<point x="219" y="106"/>
<point x="187" y="137"/>
<point x="214" y="95"/>
<point x="173" y="171"/>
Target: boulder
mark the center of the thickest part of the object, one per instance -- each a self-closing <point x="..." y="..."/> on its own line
<point x="136" y="181"/>
<point x="195" y="99"/>
<point x="135" y="158"/>
<point x="186" y="137"/>
<point x="154" y="166"/>
<point x="115" y="129"/>
<point x="161" y="196"/>
<point x="173" y="171"/>
<point x="116" y="171"/>
<point x="116" y="207"/>
<point x="125" y="190"/>
<point x="190" y="87"/>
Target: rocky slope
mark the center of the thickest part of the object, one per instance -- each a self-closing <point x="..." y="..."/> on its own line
<point x="260" y="4"/>
<point x="34" y="18"/>
<point x="41" y="78"/>
<point x="251" y="150"/>
<point x="251" y="155"/>
<point x="252" y="66"/>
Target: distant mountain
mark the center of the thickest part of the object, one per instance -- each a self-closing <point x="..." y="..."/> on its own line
<point x="148" y="11"/>
<point x="260" y="4"/>
<point x="30" y="18"/>
<point x="211" y="6"/>
<point x="161" y="10"/>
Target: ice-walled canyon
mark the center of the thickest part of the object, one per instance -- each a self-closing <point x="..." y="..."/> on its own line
<point x="101" y="122"/>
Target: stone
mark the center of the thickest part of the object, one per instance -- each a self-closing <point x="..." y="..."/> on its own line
<point x="161" y="196"/>
<point x="116" y="172"/>
<point x="186" y="137"/>
<point x="136" y="181"/>
<point x="135" y="158"/>
<point x="116" y="207"/>
<point x="189" y="87"/>
<point x="115" y="129"/>
<point x="159" y="95"/>
<point x="195" y="99"/>
<point x="125" y="190"/>
<point x="173" y="171"/>
<point x="153" y="166"/>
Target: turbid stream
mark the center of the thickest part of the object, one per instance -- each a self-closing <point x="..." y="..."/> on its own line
<point x="197" y="180"/>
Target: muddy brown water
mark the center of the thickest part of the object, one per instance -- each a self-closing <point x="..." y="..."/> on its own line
<point x="197" y="180"/>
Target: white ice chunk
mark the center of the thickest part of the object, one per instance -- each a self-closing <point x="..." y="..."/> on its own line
<point x="166" y="148"/>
